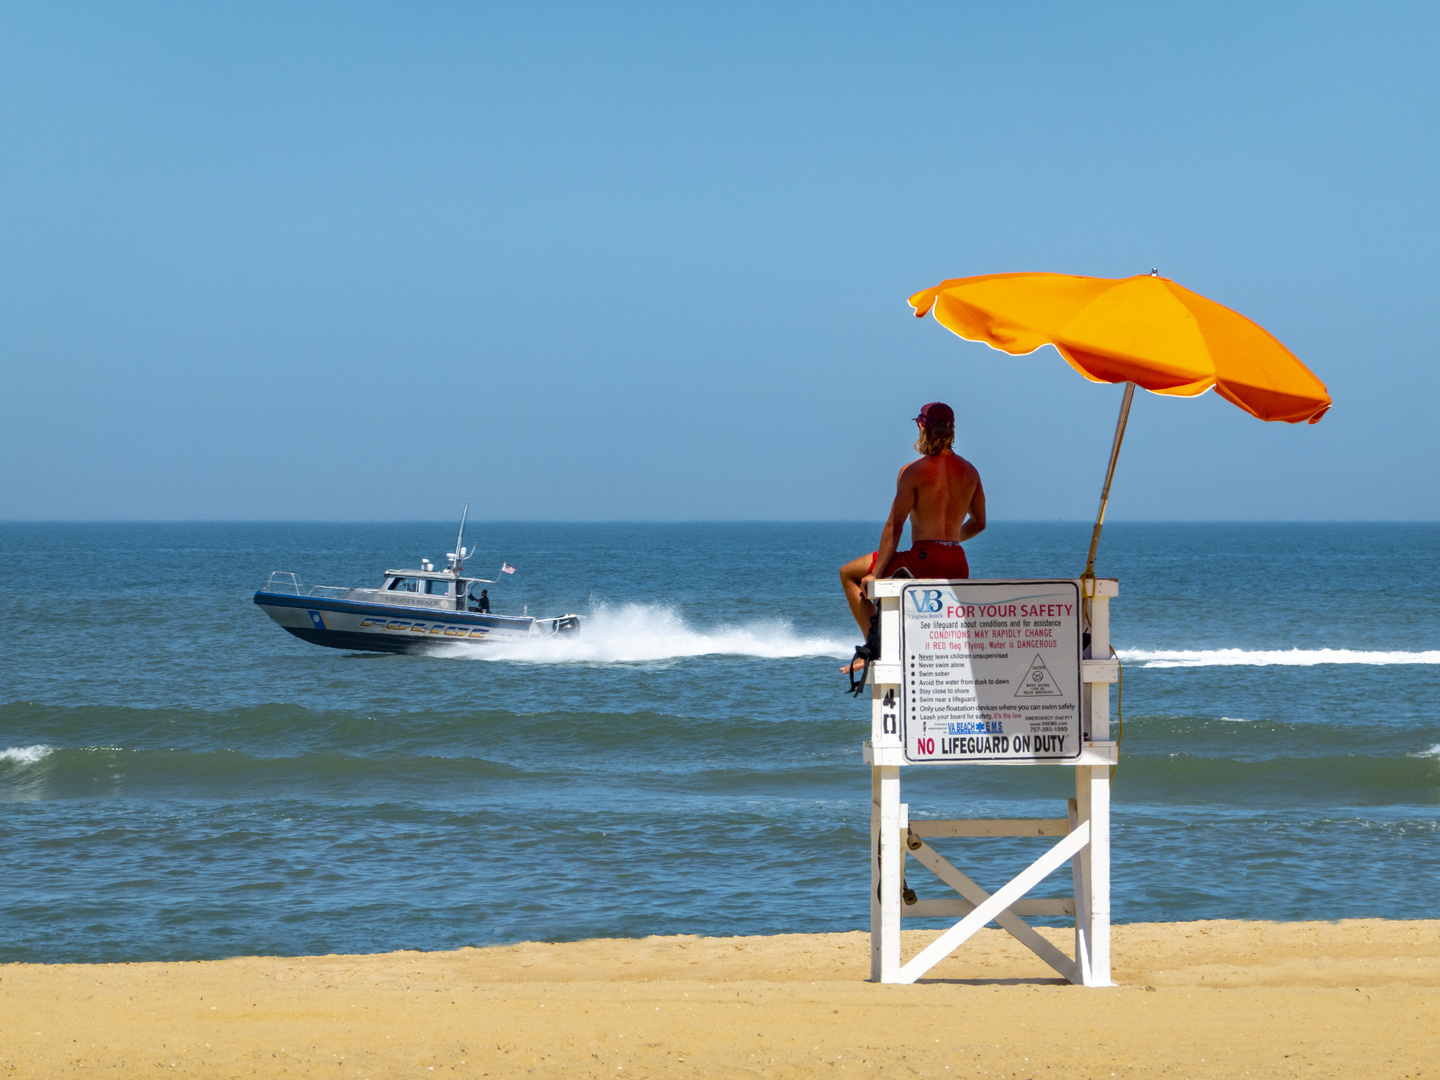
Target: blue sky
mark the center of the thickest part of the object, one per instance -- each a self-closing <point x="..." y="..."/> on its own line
<point x="633" y="261"/>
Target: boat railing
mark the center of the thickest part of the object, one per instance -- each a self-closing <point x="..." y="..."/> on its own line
<point x="283" y="581"/>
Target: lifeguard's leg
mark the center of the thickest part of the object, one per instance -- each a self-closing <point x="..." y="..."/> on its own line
<point x="860" y="606"/>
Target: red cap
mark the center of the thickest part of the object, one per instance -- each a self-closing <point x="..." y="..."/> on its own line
<point x="937" y="415"/>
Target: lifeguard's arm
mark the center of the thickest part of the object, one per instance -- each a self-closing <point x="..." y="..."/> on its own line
<point x="975" y="522"/>
<point x="895" y="523"/>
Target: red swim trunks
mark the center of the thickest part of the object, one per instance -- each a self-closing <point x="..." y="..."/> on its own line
<point x="928" y="559"/>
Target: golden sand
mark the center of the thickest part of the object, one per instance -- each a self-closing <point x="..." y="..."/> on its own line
<point x="1355" y="999"/>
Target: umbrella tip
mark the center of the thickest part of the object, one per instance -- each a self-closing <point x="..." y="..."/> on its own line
<point x="1154" y="272"/>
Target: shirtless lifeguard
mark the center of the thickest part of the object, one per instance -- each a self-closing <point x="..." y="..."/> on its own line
<point x="942" y="497"/>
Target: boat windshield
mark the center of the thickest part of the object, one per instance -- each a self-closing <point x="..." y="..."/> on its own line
<point x="437" y="588"/>
<point x="405" y="584"/>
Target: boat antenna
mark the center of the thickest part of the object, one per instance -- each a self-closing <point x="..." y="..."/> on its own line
<point x="457" y="557"/>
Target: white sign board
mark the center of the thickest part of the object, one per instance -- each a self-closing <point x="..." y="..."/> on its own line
<point x="991" y="671"/>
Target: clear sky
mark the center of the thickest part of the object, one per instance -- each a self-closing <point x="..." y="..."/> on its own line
<point x="633" y="261"/>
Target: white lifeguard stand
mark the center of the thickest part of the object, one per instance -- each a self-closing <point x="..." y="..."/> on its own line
<point x="950" y="676"/>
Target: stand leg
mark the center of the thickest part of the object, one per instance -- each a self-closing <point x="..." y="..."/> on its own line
<point x="1092" y="797"/>
<point x="1082" y="901"/>
<point x="1092" y="923"/>
<point x="1083" y="877"/>
<point x="875" y="934"/>
<point x="890" y="870"/>
<point x="1098" y="902"/>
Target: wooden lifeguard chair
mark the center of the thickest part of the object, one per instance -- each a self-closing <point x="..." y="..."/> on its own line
<point x="971" y="675"/>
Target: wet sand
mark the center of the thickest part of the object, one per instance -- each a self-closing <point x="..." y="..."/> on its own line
<point x="1225" y="999"/>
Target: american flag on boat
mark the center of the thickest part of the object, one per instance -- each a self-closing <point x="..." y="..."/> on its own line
<point x="506" y="568"/>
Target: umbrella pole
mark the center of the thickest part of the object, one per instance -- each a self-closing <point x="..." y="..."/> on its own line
<point x="1109" y="475"/>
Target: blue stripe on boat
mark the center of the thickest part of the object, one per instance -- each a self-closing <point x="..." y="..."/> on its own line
<point x="410" y="614"/>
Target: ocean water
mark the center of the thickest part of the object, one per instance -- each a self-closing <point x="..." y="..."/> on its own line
<point x="182" y="779"/>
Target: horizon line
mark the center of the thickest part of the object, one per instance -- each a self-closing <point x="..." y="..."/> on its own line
<point x="701" y="521"/>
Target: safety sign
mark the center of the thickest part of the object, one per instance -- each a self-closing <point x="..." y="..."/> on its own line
<point x="991" y="671"/>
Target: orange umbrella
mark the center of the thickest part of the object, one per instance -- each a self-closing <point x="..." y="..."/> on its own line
<point x="1143" y="331"/>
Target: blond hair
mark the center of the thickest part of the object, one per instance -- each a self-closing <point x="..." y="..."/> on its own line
<point x="934" y="440"/>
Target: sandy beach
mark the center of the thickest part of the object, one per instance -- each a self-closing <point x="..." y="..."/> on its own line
<point x="1225" y="999"/>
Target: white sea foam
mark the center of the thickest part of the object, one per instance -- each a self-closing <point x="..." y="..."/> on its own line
<point x="1434" y="752"/>
<point x="633" y="633"/>
<point x="1170" y="658"/>
<point x="26" y="755"/>
<point x="1235" y="719"/>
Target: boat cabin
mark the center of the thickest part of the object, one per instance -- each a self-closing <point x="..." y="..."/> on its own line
<point x="425" y="588"/>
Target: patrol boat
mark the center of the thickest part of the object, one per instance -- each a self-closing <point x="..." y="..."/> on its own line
<point x="413" y="610"/>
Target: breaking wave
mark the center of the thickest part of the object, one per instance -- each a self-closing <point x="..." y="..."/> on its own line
<point x="25" y="755"/>
<point x="636" y="633"/>
<point x="1172" y="658"/>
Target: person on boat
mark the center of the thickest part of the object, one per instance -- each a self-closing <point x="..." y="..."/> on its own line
<point x="941" y="496"/>
<point x="482" y="602"/>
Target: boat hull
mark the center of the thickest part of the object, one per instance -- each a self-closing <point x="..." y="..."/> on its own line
<point x="365" y="627"/>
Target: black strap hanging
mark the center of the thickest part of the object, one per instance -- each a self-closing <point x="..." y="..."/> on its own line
<point x="869" y="652"/>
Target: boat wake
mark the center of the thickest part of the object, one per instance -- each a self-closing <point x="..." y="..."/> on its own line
<point x="636" y="633"/>
<point x="1172" y="658"/>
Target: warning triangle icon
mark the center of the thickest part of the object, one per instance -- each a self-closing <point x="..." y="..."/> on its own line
<point x="1037" y="681"/>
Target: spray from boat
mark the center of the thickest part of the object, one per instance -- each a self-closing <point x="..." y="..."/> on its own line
<point x="648" y="633"/>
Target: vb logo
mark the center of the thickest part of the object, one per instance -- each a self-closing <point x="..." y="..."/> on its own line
<point x="926" y="601"/>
